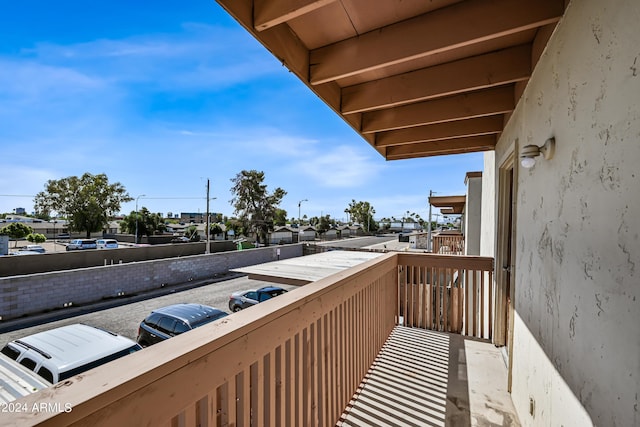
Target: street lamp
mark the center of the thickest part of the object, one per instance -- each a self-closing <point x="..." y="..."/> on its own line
<point x="299" y="204"/>
<point x="136" y="238"/>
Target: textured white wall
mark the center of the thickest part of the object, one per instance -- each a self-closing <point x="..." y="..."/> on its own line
<point x="473" y="216"/>
<point x="488" y="206"/>
<point x="577" y="328"/>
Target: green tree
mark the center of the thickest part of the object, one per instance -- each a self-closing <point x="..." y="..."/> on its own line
<point x="148" y="223"/>
<point x="280" y="217"/>
<point x="362" y="213"/>
<point x="88" y="201"/>
<point x="192" y="233"/>
<point x="16" y="231"/>
<point x="232" y="224"/>
<point x="215" y="229"/>
<point x="324" y="224"/>
<point x="36" y="238"/>
<point x="253" y="204"/>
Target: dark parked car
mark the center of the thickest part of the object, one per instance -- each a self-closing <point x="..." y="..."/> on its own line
<point x="173" y="320"/>
<point x="243" y="299"/>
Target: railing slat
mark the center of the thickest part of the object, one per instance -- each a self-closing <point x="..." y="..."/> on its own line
<point x="289" y="411"/>
<point x="490" y="304"/>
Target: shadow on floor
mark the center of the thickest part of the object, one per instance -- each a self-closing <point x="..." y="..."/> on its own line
<point x="422" y="378"/>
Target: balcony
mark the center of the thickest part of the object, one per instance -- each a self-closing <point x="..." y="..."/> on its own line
<point x="398" y="340"/>
<point x="450" y="244"/>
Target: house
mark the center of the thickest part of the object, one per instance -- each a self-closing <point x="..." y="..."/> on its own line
<point x="548" y="90"/>
<point x="283" y="234"/>
<point x="345" y="231"/>
<point x="331" y="234"/>
<point x="403" y="226"/>
<point x="306" y="233"/>
<point x="356" y="230"/>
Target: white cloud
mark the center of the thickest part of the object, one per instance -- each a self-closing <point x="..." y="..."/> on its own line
<point x="195" y="58"/>
<point x="340" y="167"/>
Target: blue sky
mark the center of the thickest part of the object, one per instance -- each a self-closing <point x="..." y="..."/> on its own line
<point x="163" y="95"/>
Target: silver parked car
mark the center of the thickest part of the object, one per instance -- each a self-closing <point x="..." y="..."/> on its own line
<point x="79" y="244"/>
<point x="107" y="244"/>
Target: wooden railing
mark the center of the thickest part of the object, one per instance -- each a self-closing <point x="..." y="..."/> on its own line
<point x="446" y="293"/>
<point x="451" y="244"/>
<point x="295" y="360"/>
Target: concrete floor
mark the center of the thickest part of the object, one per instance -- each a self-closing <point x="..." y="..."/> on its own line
<point x="427" y="378"/>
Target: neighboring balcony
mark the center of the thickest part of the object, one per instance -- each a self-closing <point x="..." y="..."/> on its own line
<point x="378" y="344"/>
<point x="451" y="244"/>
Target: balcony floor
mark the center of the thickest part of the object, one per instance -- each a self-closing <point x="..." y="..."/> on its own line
<point x="427" y="378"/>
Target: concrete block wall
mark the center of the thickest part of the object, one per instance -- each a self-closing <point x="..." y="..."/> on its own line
<point x="56" y="261"/>
<point x="35" y="293"/>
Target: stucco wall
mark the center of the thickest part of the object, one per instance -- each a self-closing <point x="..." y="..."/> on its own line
<point x="472" y="216"/>
<point x="577" y="293"/>
<point x="56" y="261"/>
<point x="33" y="293"/>
<point x="488" y="206"/>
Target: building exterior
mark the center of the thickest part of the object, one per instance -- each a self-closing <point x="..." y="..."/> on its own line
<point x="564" y="228"/>
<point x="283" y="234"/>
<point x="472" y="213"/>
<point x="195" y="217"/>
<point x="331" y="234"/>
<point x="306" y="233"/>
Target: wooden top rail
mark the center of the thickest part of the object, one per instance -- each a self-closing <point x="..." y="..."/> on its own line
<point x="446" y="261"/>
<point x="154" y="385"/>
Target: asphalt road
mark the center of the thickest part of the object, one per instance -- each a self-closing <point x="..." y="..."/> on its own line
<point x="125" y="319"/>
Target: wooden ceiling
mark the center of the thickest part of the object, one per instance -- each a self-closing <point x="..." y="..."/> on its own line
<point x="414" y="78"/>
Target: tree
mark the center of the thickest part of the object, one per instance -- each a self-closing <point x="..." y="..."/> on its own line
<point x="232" y="224"/>
<point x="192" y="233"/>
<point x="362" y="213"/>
<point x="215" y="229"/>
<point x="324" y="224"/>
<point x="16" y="231"/>
<point x="254" y="205"/>
<point x="88" y="201"/>
<point x="36" y="238"/>
<point x="280" y="217"/>
<point x="148" y="223"/>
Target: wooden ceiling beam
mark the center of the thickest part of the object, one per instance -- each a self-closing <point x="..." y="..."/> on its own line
<point x="269" y="13"/>
<point x="438" y="148"/>
<point x="474" y="22"/>
<point x="479" y="72"/>
<point x="483" y="103"/>
<point x="439" y="131"/>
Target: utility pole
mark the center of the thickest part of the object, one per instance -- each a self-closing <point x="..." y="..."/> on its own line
<point x="300" y="204"/>
<point x="136" y="236"/>
<point x="206" y="250"/>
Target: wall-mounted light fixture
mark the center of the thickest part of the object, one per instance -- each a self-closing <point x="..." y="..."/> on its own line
<point x="530" y="152"/>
